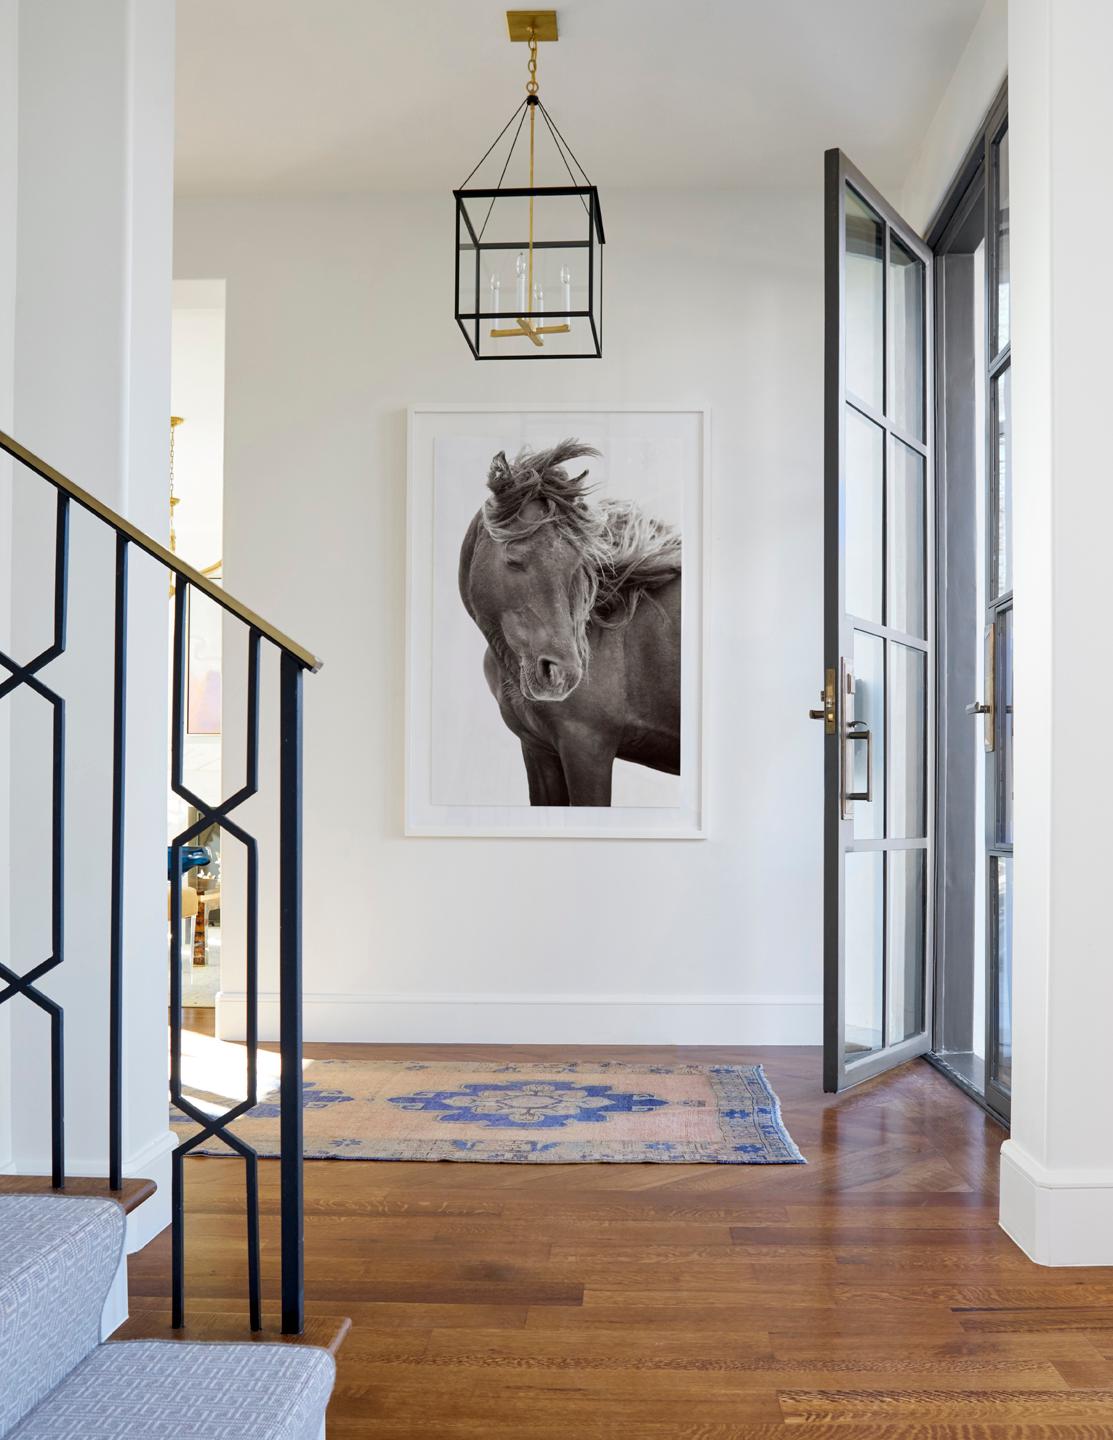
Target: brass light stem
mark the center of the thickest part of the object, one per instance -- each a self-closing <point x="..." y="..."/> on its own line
<point x="528" y="326"/>
<point x="531" y="91"/>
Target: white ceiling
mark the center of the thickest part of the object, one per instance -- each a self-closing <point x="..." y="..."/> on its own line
<point x="285" y="97"/>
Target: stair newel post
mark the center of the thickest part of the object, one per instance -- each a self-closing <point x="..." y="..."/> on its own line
<point x="290" y="995"/>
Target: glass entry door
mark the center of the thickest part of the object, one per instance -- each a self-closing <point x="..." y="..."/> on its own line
<point x="877" y="699"/>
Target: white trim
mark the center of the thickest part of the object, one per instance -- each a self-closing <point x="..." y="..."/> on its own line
<point x="1057" y="1217"/>
<point x="115" y="1309"/>
<point x="504" y="1019"/>
<point x="658" y="829"/>
<point x="151" y="1162"/>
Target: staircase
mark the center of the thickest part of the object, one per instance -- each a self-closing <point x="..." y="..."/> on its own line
<point x="69" y="1228"/>
<point x="59" y="1255"/>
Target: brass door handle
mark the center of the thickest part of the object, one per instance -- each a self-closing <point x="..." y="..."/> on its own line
<point x="817" y="714"/>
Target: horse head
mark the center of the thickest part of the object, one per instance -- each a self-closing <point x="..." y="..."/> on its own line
<point x="524" y="573"/>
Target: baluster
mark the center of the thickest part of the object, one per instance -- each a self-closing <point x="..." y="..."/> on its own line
<point x="177" y="1192"/>
<point x="57" y="850"/>
<point x="116" y="936"/>
<point x="251" y="1035"/>
<point x="290" y="995"/>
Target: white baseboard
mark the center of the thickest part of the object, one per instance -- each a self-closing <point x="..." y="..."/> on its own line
<point x="539" y="1019"/>
<point x="1057" y="1217"/>
<point x="150" y="1162"/>
<point x="153" y="1216"/>
<point x="115" y="1309"/>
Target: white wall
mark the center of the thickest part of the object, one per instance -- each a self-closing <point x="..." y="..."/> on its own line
<point x="1057" y="1166"/>
<point x="339" y="316"/>
<point x="976" y="80"/>
<point x="91" y="394"/>
<point x="9" y="100"/>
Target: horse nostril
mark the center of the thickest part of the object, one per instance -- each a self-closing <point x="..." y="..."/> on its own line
<point x="550" y="672"/>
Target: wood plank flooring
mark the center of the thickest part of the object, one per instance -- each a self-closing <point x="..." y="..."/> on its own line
<point x="869" y="1293"/>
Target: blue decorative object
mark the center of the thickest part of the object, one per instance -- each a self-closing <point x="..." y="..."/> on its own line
<point x="190" y="857"/>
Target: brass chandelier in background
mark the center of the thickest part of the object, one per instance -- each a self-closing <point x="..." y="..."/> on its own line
<point x="529" y="257"/>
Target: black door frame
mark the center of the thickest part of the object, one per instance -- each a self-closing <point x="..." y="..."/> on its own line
<point x="978" y="169"/>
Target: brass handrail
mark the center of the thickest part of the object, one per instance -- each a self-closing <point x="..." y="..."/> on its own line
<point x="201" y="582"/>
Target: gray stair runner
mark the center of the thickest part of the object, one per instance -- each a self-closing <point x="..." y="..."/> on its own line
<point x="58" y="1255"/>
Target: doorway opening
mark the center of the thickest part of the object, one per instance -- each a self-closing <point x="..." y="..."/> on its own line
<point x="197" y="536"/>
<point x="973" y="960"/>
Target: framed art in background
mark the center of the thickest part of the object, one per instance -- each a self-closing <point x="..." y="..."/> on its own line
<point x="556" y="593"/>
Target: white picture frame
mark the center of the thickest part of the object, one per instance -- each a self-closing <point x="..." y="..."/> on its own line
<point x="475" y="787"/>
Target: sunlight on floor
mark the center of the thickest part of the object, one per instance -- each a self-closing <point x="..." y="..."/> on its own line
<point x="214" y="1072"/>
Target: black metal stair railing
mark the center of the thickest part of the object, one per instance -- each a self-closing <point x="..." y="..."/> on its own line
<point x="294" y="661"/>
<point x="26" y="983"/>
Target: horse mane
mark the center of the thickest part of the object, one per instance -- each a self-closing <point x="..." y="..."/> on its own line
<point x="626" y="554"/>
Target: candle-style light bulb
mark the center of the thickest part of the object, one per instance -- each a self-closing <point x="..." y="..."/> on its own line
<point x="566" y="284"/>
<point x="496" y="293"/>
<point x="538" y="297"/>
<point x="520" y="273"/>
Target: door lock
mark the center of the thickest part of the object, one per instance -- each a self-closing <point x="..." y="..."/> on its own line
<point x="828" y="696"/>
<point x="987" y="708"/>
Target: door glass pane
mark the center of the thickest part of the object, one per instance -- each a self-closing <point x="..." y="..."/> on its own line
<point x="906" y="273"/>
<point x="868" y="704"/>
<point x="864" y="932"/>
<point x="906" y="549"/>
<point x="1003" y="484"/>
<point x="864" y="479"/>
<point x="907" y="742"/>
<point x="906" y="944"/>
<point x="865" y="302"/>
<point x="1003" y="255"/>
<point x="1004" y="724"/>
<point x="1001" y="900"/>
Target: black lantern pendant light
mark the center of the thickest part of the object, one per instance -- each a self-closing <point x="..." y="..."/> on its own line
<point x="529" y="257"/>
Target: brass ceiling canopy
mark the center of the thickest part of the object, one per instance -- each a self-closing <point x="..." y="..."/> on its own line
<point x="536" y="24"/>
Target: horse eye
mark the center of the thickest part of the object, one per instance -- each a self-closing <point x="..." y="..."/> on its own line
<point x="515" y="561"/>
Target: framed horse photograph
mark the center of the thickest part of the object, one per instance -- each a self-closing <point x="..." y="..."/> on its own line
<point x="556" y="598"/>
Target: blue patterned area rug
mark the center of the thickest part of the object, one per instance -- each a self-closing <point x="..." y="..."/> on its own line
<point x="580" y="1113"/>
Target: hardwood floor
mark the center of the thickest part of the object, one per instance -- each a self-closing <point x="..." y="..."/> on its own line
<point x="869" y="1293"/>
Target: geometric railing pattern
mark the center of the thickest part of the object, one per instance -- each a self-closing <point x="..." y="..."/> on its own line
<point x="294" y="661"/>
<point x="25" y="983"/>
